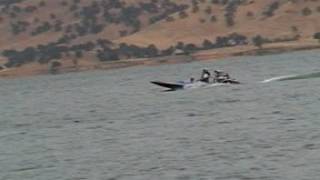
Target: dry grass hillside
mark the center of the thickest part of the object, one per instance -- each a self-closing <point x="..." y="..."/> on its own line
<point x="104" y="30"/>
<point x="291" y="18"/>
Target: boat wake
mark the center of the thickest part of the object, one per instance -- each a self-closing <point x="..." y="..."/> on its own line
<point x="293" y="77"/>
<point x="278" y="78"/>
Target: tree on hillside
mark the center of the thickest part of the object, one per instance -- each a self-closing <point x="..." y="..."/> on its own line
<point x="230" y="10"/>
<point x="207" y="44"/>
<point x="152" y="50"/>
<point x="317" y="36"/>
<point x="104" y="43"/>
<point x="95" y="29"/>
<point x="29" y="54"/>
<point x="79" y="54"/>
<point x="258" y="41"/>
<point x="17" y="58"/>
<point x="107" y="55"/>
<point x="54" y="66"/>
<point x="12" y="56"/>
<point x="271" y="9"/>
<point x="180" y="45"/>
<point x="168" y="51"/>
<point x="189" y="48"/>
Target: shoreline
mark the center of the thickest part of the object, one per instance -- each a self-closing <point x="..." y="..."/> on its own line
<point x="33" y="69"/>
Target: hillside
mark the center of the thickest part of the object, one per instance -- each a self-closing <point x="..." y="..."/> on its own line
<point x="289" y="19"/>
<point x="108" y="30"/>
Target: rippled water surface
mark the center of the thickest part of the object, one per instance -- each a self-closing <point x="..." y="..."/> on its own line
<point x="115" y="125"/>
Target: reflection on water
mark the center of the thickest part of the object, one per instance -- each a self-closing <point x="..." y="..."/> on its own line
<point x="116" y="125"/>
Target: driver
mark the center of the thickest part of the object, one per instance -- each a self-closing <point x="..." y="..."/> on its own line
<point x="205" y="76"/>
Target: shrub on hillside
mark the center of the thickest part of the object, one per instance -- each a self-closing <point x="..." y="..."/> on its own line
<point x="64" y="3"/>
<point x="202" y="20"/>
<point x="42" y="3"/>
<point x="123" y="33"/>
<point x="36" y="20"/>
<point x="13" y="15"/>
<point x="195" y="9"/>
<point x="16" y="9"/>
<point x="30" y="9"/>
<point x="19" y="27"/>
<point x="169" y="19"/>
<point x="213" y="19"/>
<point x="183" y="14"/>
<point x="53" y="16"/>
<point x="57" y="25"/>
<point x="9" y="2"/>
<point x="215" y="1"/>
<point x="44" y="27"/>
<point x="250" y="14"/>
<point x="208" y="10"/>
<point x="104" y="43"/>
<point x="306" y="11"/>
<point x="149" y="7"/>
<point x="97" y="28"/>
<point x="294" y="29"/>
<point x="73" y="7"/>
<point x="271" y="9"/>
<point x="78" y="54"/>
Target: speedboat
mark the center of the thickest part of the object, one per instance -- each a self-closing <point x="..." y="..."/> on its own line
<point x="196" y="84"/>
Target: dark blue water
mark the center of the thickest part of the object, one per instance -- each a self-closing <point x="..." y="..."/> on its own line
<point x="116" y="125"/>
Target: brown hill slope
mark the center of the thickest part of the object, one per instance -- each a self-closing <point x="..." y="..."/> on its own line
<point x="114" y="29"/>
<point x="34" y="22"/>
<point x="290" y="19"/>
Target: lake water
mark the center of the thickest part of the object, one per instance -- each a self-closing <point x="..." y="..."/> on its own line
<point x="115" y="125"/>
